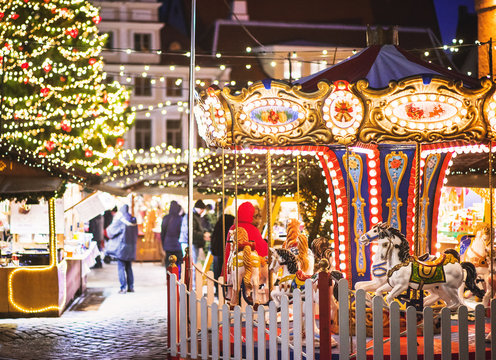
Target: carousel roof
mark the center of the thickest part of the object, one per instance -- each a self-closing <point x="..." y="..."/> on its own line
<point x="379" y="65"/>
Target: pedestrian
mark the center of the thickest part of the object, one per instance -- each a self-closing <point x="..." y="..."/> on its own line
<point x="123" y="234"/>
<point x="170" y="232"/>
<point x="217" y="243"/>
<point x="95" y="227"/>
<point x="108" y="216"/>
<point x="209" y="218"/>
<point x="200" y="235"/>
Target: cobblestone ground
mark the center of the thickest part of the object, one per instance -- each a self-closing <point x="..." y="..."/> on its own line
<point x="102" y="324"/>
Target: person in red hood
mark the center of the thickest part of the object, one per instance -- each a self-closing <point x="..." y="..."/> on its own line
<point x="246" y="211"/>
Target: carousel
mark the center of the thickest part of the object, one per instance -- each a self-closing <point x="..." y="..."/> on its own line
<point x="385" y="127"/>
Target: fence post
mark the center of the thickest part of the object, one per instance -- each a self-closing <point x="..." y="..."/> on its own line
<point x="172" y="269"/>
<point x="324" y="315"/>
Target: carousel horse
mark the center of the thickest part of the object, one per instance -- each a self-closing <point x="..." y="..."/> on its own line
<point x="378" y="275"/>
<point x="442" y="277"/>
<point x="293" y="278"/>
<point x="476" y="251"/>
<point x="246" y="264"/>
<point x="297" y="243"/>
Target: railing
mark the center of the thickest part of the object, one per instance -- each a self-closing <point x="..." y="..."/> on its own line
<point x="205" y="329"/>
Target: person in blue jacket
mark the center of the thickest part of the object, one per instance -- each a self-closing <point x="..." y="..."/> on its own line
<point x="123" y="235"/>
<point x="170" y="232"/>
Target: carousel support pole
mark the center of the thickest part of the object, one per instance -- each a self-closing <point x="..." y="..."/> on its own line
<point x="348" y="195"/>
<point x="298" y="186"/>
<point x="491" y="231"/>
<point x="237" y="285"/>
<point x="223" y="219"/>
<point x="191" y="133"/>
<point x="416" y="244"/>
<point x="268" y="201"/>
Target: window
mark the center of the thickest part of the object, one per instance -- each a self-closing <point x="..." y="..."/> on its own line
<point x="174" y="133"/>
<point x="316" y="67"/>
<point x="142" y="42"/>
<point x="109" y="43"/>
<point x="142" y="86"/>
<point x="295" y="70"/>
<point x="143" y="134"/>
<point x="174" y="87"/>
<point x="204" y="83"/>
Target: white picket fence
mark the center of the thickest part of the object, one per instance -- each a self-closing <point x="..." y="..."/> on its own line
<point x="198" y="329"/>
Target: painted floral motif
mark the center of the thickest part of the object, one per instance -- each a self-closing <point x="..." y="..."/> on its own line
<point x="273" y="115"/>
<point x="414" y="112"/>
<point x="395" y="163"/>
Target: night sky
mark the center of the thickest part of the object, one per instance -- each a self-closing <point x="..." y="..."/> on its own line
<point x="447" y="14"/>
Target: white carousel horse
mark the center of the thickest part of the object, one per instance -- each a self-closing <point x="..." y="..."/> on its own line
<point x="378" y="274"/>
<point x="478" y="252"/>
<point x="490" y="280"/>
<point x="246" y="264"/>
<point x="442" y="277"/>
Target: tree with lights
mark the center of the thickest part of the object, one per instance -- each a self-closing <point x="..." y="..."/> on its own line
<point x="53" y="97"/>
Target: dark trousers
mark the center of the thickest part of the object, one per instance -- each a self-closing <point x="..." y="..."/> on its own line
<point x="125" y="272"/>
<point x="218" y="261"/>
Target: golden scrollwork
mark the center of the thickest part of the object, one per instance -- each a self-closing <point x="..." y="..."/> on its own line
<point x="411" y="110"/>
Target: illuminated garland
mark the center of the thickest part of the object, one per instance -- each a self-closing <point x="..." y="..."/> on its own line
<point x="55" y="102"/>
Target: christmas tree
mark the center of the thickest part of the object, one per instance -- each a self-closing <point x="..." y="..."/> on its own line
<point x="53" y="97"/>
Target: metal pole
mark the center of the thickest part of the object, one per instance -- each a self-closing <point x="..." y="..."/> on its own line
<point x="491" y="231"/>
<point x="268" y="202"/>
<point x="191" y="132"/>
<point x="416" y="244"/>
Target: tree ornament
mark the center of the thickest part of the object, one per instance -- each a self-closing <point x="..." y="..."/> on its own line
<point x="14" y="16"/>
<point x="120" y="142"/>
<point x="88" y="153"/>
<point x="65" y="126"/>
<point x="45" y="91"/>
<point x="96" y="19"/>
<point x="115" y="162"/>
<point x="47" y="67"/>
<point x="91" y="61"/>
<point x="24" y="65"/>
<point x="49" y="145"/>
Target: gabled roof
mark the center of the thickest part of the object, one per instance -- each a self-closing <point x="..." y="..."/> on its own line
<point x="380" y="65"/>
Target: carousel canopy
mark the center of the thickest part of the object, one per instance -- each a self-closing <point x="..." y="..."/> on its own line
<point x="379" y="65"/>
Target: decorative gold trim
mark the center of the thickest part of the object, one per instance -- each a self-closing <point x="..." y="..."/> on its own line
<point x="425" y="201"/>
<point x="464" y="124"/>
<point x="394" y="190"/>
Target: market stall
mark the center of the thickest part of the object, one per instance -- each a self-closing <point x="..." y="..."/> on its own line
<point x="39" y="275"/>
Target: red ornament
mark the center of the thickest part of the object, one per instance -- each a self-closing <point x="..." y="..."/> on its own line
<point x="65" y="126"/>
<point x="115" y="162"/>
<point x="88" y="153"/>
<point x="73" y="32"/>
<point x="120" y="142"/>
<point x="14" y="16"/>
<point x="24" y="65"/>
<point x="47" y="67"/>
<point x="45" y="91"/>
<point x="8" y="46"/>
<point x="96" y="19"/>
<point x="91" y="61"/>
<point x="62" y="78"/>
<point x="26" y="80"/>
<point x="2" y="15"/>
<point x="42" y="153"/>
<point x="49" y="145"/>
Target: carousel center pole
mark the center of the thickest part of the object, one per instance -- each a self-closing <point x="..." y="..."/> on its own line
<point x="416" y="244"/>
<point x="268" y="201"/>
<point x="191" y="131"/>
<point x="491" y="231"/>
<point x="298" y="186"/>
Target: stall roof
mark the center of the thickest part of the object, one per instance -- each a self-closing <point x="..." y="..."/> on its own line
<point x="380" y="65"/>
<point x="24" y="176"/>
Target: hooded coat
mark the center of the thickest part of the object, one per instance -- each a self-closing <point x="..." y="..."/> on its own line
<point x="123" y="235"/>
<point x="246" y="211"/>
<point x="171" y="227"/>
